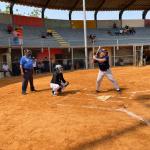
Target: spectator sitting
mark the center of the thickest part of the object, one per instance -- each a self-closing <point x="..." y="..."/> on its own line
<point x="49" y="32"/>
<point x="132" y="31"/>
<point x="9" y="29"/>
<point x="114" y="25"/>
<point x="92" y="37"/>
<point x="109" y="32"/>
<point x="125" y="31"/>
<point x="121" y="31"/>
<point x="15" y="37"/>
<point x="126" y="27"/>
<point x="43" y="35"/>
<point x="5" y="69"/>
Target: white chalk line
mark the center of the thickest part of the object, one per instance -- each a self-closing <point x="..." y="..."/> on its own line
<point x="133" y="115"/>
<point x="123" y="110"/>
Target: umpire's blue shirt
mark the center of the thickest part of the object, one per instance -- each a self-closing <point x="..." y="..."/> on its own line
<point x="26" y="62"/>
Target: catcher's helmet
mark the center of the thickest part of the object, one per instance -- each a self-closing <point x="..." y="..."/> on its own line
<point x="59" y="68"/>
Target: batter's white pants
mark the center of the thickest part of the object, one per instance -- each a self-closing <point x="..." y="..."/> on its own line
<point x="55" y="87"/>
<point x="109" y="75"/>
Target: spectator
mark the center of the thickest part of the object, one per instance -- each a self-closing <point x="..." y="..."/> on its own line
<point x="9" y="29"/>
<point x="92" y="37"/>
<point x="114" y="25"/>
<point x="40" y="67"/>
<point x="121" y="31"/>
<point x="65" y="63"/>
<point x="126" y="27"/>
<point x="5" y="69"/>
<point x="15" y="37"/>
<point x="20" y="35"/>
<point x="144" y="59"/>
<point x="34" y="64"/>
<point x="49" y="32"/>
<point x="46" y="64"/>
<point x="132" y="31"/>
<point x="43" y="35"/>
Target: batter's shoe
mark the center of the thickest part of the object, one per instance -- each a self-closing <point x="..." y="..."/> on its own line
<point x="119" y="91"/>
<point x="97" y="91"/>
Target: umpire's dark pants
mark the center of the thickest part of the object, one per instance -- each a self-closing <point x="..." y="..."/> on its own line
<point x="27" y="77"/>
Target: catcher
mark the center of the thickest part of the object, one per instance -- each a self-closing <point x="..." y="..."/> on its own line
<point x="58" y="82"/>
<point x="102" y="59"/>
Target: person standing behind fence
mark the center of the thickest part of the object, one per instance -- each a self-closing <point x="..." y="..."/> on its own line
<point x="102" y="59"/>
<point x="26" y="67"/>
<point x="5" y="69"/>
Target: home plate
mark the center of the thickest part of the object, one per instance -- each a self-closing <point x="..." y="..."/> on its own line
<point x="104" y="98"/>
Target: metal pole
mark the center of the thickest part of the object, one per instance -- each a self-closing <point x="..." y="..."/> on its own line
<point x="114" y="56"/>
<point x="72" y="55"/>
<point x="85" y="35"/>
<point x="22" y="50"/>
<point x="133" y="55"/>
<point x="93" y="51"/>
<point x="142" y="55"/>
<point x="117" y="44"/>
<point x="49" y="58"/>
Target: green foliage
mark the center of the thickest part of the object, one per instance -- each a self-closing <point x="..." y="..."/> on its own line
<point x="36" y="12"/>
<point x="7" y="9"/>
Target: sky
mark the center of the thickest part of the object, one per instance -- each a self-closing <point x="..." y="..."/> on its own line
<point x="77" y="15"/>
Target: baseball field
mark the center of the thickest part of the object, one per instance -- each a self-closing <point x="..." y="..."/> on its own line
<point x="79" y="119"/>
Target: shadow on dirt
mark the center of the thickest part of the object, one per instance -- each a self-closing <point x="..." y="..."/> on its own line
<point x="143" y="99"/>
<point x="106" y="138"/>
<point x="12" y="80"/>
<point x="72" y="92"/>
<point x="113" y="90"/>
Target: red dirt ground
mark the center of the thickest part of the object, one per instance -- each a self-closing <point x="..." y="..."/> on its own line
<point x="77" y="120"/>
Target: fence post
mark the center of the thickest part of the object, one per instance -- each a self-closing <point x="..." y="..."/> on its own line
<point x="72" y="59"/>
<point x="49" y="58"/>
<point x="114" y="56"/>
<point x="22" y="50"/>
<point x="141" y="58"/>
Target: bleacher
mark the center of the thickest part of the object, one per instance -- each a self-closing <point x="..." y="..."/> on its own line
<point x="76" y="36"/>
<point x="34" y="27"/>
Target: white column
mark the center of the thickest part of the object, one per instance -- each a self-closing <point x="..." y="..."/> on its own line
<point x="85" y="35"/>
<point x="114" y="56"/>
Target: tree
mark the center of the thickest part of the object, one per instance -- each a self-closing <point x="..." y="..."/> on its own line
<point x="36" y="12"/>
<point x="7" y="9"/>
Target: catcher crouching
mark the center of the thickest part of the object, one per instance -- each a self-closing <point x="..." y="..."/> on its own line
<point x="58" y="83"/>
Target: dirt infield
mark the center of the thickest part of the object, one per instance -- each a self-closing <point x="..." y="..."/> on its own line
<point x="79" y="119"/>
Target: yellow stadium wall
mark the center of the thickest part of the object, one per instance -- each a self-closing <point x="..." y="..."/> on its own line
<point x="78" y="24"/>
<point x="133" y="23"/>
<point x="108" y="23"/>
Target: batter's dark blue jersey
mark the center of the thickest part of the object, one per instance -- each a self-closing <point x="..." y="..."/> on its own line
<point x="104" y="66"/>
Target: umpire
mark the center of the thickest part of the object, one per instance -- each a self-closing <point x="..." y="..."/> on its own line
<point x="26" y="67"/>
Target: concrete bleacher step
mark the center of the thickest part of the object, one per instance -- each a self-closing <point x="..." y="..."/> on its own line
<point x="60" y="39"/>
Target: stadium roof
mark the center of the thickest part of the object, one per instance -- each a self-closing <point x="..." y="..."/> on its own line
<point x="93" y="5"/>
